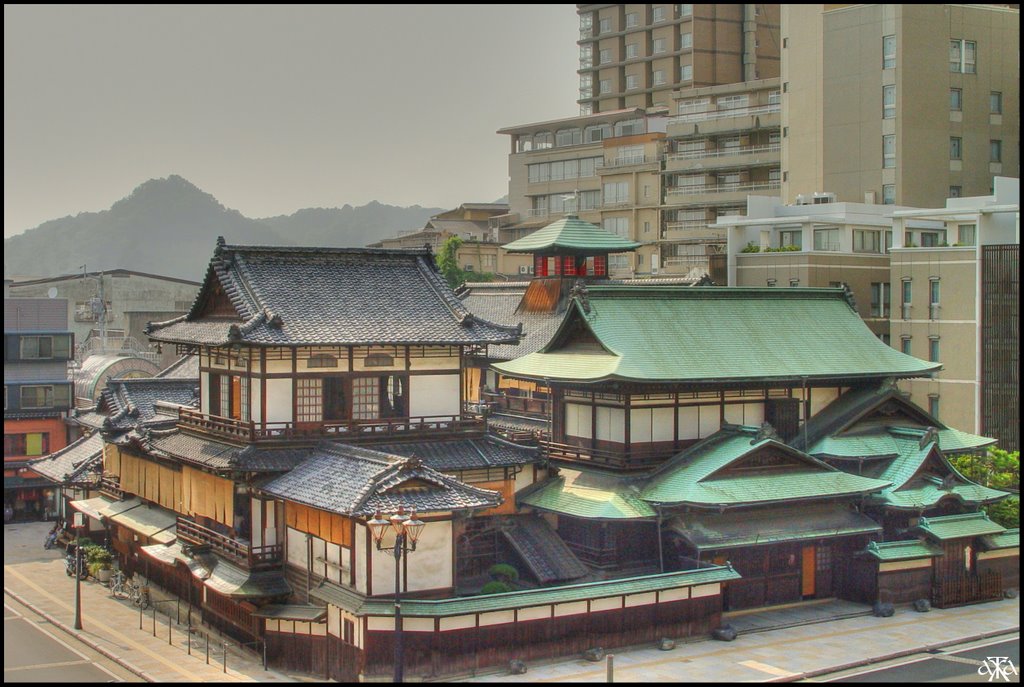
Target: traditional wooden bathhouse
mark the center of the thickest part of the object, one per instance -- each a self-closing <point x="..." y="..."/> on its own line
<point x="76" y="470"/>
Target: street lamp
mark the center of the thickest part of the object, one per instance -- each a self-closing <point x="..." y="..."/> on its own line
<point x="407" y="531"/>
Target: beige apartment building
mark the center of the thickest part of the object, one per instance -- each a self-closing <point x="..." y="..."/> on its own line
<point x="899" y="104"/>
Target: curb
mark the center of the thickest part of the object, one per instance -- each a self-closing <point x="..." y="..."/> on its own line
<point x="84" y="640"/>
<point x="896" y="654"/>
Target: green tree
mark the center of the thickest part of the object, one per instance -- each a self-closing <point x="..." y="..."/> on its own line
<point x="997" y="469"/>
<point x="448" y="262"/>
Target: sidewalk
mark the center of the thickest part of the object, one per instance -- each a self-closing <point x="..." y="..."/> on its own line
<point x="36" y="578"/>
<point x="790" y="653"/>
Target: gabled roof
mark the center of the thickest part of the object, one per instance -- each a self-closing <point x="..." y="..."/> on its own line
<point x="180" y="445"/>
<point x="901" y="550"/>
<point x="80" y="462"/>
<point x="546" y="555"/>
<point x="285" y="296"/>
<point x="588" y="494"/>
<point x="185" y="367"/>
<point x="132" y="403"/>
<point x="571" y="236"/>
<point x="464" y="454"/>
<point x="352" y="480"/>
<point x="499" y="303"/>
<point x="700" y="476"/>
<point x="1001" y="540"/>
<point x="848" y="425"/>
<point x="960" y="526"/>
<point x="713" y="334"/>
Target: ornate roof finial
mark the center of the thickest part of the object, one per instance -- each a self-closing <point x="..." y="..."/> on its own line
<point x="848" y="295"/>
<point x="766" y="431"/>
<point x="579" y="292"/>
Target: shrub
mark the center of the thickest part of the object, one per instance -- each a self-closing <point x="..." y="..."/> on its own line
<point x="751" y="248"/>
<point x="100" y="557"/>
<point x="1005" y="512"/>
<point x="503" y="572"/>
<point x="496" y="587"/>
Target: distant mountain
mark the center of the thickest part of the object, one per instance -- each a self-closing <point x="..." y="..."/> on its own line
<point x="169" y="227"/>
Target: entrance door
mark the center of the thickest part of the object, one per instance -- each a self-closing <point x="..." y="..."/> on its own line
<point x="807" y="568"/>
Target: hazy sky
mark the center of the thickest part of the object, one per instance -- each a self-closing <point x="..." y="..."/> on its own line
<point x="274" y="108"/>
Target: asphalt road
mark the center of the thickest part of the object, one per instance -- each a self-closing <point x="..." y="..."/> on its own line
<point x="953" y="664"/>
<point x="36" y="651"/>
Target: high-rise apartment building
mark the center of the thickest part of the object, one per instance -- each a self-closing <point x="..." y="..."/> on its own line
<point x="904" y="104"/>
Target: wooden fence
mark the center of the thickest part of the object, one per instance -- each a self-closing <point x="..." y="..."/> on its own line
<point x="967" y="589"/>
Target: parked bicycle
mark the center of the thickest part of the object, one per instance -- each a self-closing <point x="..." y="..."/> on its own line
<point x="122" y="588"/>
<point x="51" y="538"/>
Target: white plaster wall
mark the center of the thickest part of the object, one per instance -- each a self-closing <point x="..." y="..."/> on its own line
<point x="279" y="400"/>
<point x="534" y="613"/>
<point x="280" y="365"/>
<point x="710" y="421"/>
<point x="434" y="363"/>
<point x="524" y="478"/>
<point x="434" y="395"/>
<point x="744" y="413"/>
<point x="204" y="393"/>
<point x="610" y="424"/>
<point x="255" y="399"/>
<point x="256" y="510"/>
<point x="430" y="565"/>
<point x="821" y="398"/>
<point x="295" y="547"/>
<point x="577" y="420"/>
<point x="359" y="543"/>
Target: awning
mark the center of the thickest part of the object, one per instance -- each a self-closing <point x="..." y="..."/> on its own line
<point x="93" y="507"/>
<point x="168" y="554"/>
<point x="709" y="531"/>
<point x="314" y="614"/>
<point x="233" y="581"/>
<point x="117" y="507"/>
<point x="154" y="522"/>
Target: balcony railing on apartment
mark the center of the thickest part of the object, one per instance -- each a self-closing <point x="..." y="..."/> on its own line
<point x="626" y="460"/>
<point x="724" y="114"/>
<point x="627" y="160"/>
<point x="238" y="550"/>
<point x="724" y="188"/>
<point x="354" y="430"/>
<point x="706" y="154"/>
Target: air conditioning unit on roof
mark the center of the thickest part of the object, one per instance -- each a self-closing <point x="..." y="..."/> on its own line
<point x="524" y="269"/>
<point x="820" y="198"/>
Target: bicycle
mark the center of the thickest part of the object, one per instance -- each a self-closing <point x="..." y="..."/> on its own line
<point x="119" y="587"/>
<point x="122" y="588"/>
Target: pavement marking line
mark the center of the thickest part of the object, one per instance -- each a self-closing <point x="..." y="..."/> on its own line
<point x="55" y="664"/>
<point x="959" y="659"/>
<point x="765" y="668"/>
<point x="124" y="638"/>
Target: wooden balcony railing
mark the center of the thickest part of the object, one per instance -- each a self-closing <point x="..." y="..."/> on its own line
<point x="436" y="426"/>
<point x="623" y="460"/>
<point x="538" y="407"/>
<point x="110" y="485"/>
<point x="237" y="550"/>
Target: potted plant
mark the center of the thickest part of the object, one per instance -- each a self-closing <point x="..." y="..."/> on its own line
<point x="101" y="563"/>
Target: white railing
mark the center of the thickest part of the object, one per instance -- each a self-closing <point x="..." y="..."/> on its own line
<point x="704" y="154"/>
<point x="723" y="114"/>
<point x="686" y="224"/>
<point x="724" y="188"/>
<point x="628" y="160"/>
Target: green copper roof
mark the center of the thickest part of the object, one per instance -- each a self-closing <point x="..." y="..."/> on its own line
<point x="958" y="526"/>
<point x="691" y="476"/>
<point x="864" y="446"/>
<point x="901" y="550"/>
<point x="955" y="441"/>
<point x="571" y="236"/>
<point x="587" y="494"/>
<point x="361" y="605"/>
<point x="1002" y="540"/>
<point x="714" y="334"/>
<point x="752" y="527"/>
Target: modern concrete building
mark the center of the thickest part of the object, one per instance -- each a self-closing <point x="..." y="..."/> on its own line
<point x="904" y="104"/>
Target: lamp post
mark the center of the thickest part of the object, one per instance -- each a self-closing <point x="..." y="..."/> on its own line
<point x="407" y="530"/>
<point x="78" y="571"/>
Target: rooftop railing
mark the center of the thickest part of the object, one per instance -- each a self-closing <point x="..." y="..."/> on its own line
<point x="724" y="114"/>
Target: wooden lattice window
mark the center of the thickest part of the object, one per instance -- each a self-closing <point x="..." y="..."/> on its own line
<point x="365" y="398"/>
<point x="309" y="399"/>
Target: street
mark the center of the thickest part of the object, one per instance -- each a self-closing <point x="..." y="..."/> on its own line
<point x="953" y="664"/>
<point x="36" y="651"/>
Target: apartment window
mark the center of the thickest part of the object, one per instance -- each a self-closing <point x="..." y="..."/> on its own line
<point x="45" y="396"/>
<point x="659" y="77"/>
<point x="888" y="102"/>
<point x="605" y="56"/>
<point x="933" y="349"/>
<point x="888" y="194"/>
<point x="995" y="151"/>
<point x="632" y="82"/>
<point x="590" y="200"/>
<point x="933" y="405"/>
<point x="729" y="180"/>
<point x="865" y="241"/>
<point x="888" y="52"/>
<point x="933" y="298"/>
<point x="694" y="105"/>
<point x="774" y="97"/>
<point x="826" y="239"/>
<point x="618" y="262"/>
<point x="616" y="193"/>
<point x="604" y="86"/>
<point x="774" y="175"/>
<point x="686" y="40"/>
<point x="905" y="346"/>
<point x="588" y="166"/>
<point x="732" y="102"/>
<point x="605" y="25"/>
<point x="794" y="282"/>
<point x="45" y="347"/>
<point x="963" y="56"/>
<point x="568" y="137"/>
<point x="880" y="295"/>
<point x="632" y="50"/>
<point x="956" y="99"/>
<point x="995" y="102"/>
<point x="31" y="444"/>
<point x="632" y="19"/>
<point x="965" y="234"/>
<point x="889" y="151"/>
<point x="906" y="296"/>
<point x="660" y="45"/>
<point x="686" y="72"/>
<point x="955" y="148"/>
<point x="929" y="239"/>
<point x="955" y="191"/>
<point x="616" y="225"/>
<point x="543" y="140"/>
<point x="686" y="10"/>
<point x="791" y="237"/>
<point x="659" y="13"/>
<point x="629" y="127"/>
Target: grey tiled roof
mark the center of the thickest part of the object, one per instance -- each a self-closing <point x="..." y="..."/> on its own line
<point x="343" y="296"/>
<point x="132" y="402"/>
<point x="464" y="454"/>
<point x="542" y="550"/>
<point x="352" y="480"/>
<point x="77" y="463"/>
<point x="498" y="303"/>
<point x="178" y="444"/>
<point x="185" y="367"/>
